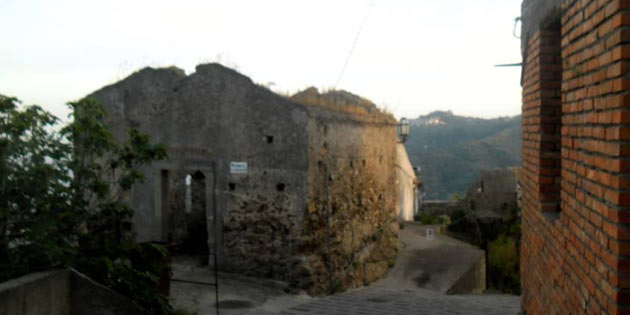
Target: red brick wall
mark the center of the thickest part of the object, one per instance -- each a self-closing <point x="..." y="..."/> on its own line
<point x="576" y="158"/>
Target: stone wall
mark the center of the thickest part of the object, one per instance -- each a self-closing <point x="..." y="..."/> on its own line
<point x="42" y="293"/>
<point x="207" y="120"/>
<point x="350" y="230"/>
<point x="315" y="205"/>
<point x="490" y="208"/>
<point x="493" y="195"/>
<point x="62" y="292"/>
<point x="575" y="204"/>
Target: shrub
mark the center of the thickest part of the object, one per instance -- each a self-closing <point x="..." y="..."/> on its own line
<point x="62" y="198"/>
<point x="428" y="219"/>
<point x="503" y="264"/>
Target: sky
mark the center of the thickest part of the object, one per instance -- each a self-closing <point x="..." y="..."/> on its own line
<point x="410" y="56"/>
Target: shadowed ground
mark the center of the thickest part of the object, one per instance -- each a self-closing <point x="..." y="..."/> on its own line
<point x="425" y="270"/>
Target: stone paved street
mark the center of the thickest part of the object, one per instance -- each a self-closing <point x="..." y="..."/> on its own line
<point x="368" y="301"/>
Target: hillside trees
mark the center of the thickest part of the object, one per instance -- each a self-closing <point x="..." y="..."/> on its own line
<point x="452" y="149"/>
<point x="62" y="199"/>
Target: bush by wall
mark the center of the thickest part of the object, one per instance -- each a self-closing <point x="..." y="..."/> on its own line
<point x="62" y="200"/>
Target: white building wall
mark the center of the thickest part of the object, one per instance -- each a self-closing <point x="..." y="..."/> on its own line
<point x="406" y="180"/>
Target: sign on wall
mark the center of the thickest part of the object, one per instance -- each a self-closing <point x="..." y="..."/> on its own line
<point x="238" y="167"/>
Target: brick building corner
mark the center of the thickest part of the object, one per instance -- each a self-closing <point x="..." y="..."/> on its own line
<point x="576" y="157"/>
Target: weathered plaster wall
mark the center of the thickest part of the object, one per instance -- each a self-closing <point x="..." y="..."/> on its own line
<point x="41" y="293"/>
<point x="407" y="181"/>
<point x="207" y="120"/>
<point x="284" y="218"/>
<point x="535" y="14"/>
<point x="62" y="292"/>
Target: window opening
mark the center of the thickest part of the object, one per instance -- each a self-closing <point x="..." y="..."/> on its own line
<point x="188" y="196"/>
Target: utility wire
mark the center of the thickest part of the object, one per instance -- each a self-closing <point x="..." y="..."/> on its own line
<point x="354" y="43"/>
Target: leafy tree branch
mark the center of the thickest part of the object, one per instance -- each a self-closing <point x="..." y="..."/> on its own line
<point x="62" y="199"/>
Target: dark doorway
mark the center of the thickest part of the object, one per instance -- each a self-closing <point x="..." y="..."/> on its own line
<point x="188" y="228"/>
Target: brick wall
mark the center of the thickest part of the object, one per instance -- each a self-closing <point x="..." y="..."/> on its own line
<point x="576" y="155"/>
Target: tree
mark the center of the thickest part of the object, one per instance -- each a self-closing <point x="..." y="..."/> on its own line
<point x="456" y="197"/>
<point x="62" y="195"/>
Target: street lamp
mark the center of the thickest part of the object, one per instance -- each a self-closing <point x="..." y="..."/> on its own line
<point x="403" y="129"/>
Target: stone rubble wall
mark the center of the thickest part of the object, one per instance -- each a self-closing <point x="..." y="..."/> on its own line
<point x="283" y="219"/>
<point x="493" y="195"/>
<point x="350" y="231"/>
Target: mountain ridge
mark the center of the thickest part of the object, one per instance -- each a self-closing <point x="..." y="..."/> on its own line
<point x="452" y="149"/>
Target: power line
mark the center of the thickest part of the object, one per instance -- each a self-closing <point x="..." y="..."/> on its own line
<point x="354" y="43"/>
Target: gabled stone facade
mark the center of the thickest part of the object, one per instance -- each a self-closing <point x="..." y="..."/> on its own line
<point x="315" y="204"/>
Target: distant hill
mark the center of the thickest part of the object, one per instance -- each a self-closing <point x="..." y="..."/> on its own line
<point x="453" y="149"/>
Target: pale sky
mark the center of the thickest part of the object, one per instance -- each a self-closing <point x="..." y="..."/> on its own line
<point x="412" y="56"/>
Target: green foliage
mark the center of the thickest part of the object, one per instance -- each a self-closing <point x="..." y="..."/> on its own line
<point x="425" y="218"/>
<point x="428" y="219"/>
<point x="452" y="153"/>
<point x="457" y="196"/>
<point x="503" y="264"/>
<point x="458" y="215"/>
<point x="443" y="219"/>
<point x="500" y="239"/>
<point x="34" y="191"/>
<point x="62" y="200"/>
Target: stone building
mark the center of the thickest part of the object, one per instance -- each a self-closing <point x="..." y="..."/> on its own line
<point x="575" y="178"/>
<point x="300" y="189"/>
<point x="490" y="207"/>
<point x="494" y="195"/>
<point x="408" y="185"/>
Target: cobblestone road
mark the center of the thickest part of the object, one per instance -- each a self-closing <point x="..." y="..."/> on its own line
<point x="370" y="301"/>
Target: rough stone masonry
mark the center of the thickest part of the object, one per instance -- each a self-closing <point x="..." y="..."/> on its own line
<point x="300" y="189"/>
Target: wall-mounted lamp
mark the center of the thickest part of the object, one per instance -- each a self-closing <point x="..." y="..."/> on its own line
<point x="403" y="129"/>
